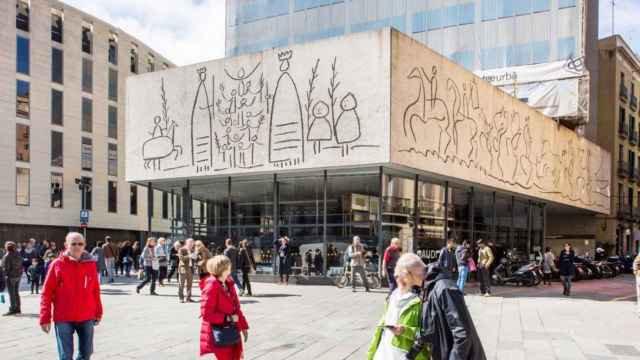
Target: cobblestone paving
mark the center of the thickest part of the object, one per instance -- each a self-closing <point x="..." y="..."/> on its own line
<point x="321" y="322"/>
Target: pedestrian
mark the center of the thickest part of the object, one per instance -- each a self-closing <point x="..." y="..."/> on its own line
<point x="284" y="261"/>
<point x="12" y="266"/>
<point x="185" y="270"/>
<point x="119" y="263"/>
<point x="150" y="265"/>
<point x="400" y="322"/>
<point x="222" y="317"/>
<point x="389" y="260"/>
<point x="357" y="260"/>
<point x="41" y="250"/>
<point x="548" y="265"/>
<point x="447" y="258"/>
<point x="49" y="255"/>
<point x="33" y="276"/>
<point x="485" y="259"/>
<point x="446" y="322"/>
<point x="73" y="290"/>
<point x="110" y="253"/>
<point x="463" y="256"/>
<point x="98" y="254"/>
<point x="231" y="252"/>
<point x="163" y="259"/>
<point x="27" y="252"/>
<point x="126" y="256"/>
<point x="567" y="267"/>
<point x="247" y="266"/>
<point x="636" y="272"/>
<point x="318" y="262"/>
<point x="135" y="254"/>
<point x="275" y="258"/>
<point x="202" y="255"/>
<point x="173" y="260"/>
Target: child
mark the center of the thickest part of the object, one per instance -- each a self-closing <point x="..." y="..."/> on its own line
<point x="33" y="274"/>
<point x="401" y="320"/>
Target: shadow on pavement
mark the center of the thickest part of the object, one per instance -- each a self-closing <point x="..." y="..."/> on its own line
<point x="275" y="295"/>
<point x="243" y="302"/>
<point x="28" y="316"/>
<point x="114" y="292"/>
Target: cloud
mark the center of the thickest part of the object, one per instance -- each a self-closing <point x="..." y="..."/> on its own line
<point x="626" y="21"/>
<point x="184" y="31"/>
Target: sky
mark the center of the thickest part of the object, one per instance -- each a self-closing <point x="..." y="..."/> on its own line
<point x="194" y="31"/>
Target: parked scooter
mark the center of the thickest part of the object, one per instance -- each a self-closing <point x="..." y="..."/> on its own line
<point x="519" y="274"/>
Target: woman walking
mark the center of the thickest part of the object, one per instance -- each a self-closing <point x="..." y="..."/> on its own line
<point x="548" y="265"/>
<point x="150" y="265"/>
<point x="247" y="266"/>
<point x="567" y="267"/>
<point x="284" y="261"/>
<point x="49" y="255"/>
<point x="401" y="320"/>
<point x="221" y="313"/>
<point x="126" y="255"/>
<point x="173" y="259"/>
<point x="163" y="259"/>
<point x="135" y="254"/>
<point x="202" y="256"/>
<point x="101" y="265"/>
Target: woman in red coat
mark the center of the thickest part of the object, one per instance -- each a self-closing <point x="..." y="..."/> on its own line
<point x="219" y="301"/>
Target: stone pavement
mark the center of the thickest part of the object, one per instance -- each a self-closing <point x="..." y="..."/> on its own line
<point x="322" y="322"/>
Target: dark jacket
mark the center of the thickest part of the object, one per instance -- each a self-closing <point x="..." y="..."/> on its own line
<point x="565" y="260"/>
<point x="12" y="265"/>
<point x="232" y="253"/>
<point x="246" y="260"/>
<point x="447" y="324"/>
<point x="447" y="259"/>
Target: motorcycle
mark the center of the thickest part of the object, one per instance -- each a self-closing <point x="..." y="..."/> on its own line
<point x="519" y="274"/>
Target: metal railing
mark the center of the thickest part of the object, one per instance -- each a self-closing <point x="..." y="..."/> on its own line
<point x="623" y="130"/>
<point x="633" y="137"/>
<point x="623" y="169"/>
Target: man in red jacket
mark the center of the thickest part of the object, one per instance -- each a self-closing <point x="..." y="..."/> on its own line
<point x="72" y="287"/>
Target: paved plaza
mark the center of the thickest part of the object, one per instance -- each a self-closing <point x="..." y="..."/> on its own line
<point x="322" y="322"/>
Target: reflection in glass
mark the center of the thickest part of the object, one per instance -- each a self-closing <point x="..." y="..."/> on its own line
<point x="113" y="159"/>
<point x="57" y="66"/>
<point x="22" y="142"/>
<point x="86" y="155"/>
<point x="112" y="195"/>
<point x="57" y="107"/>
<point x="22" y="186"/>
<point x="56" y="190"/>
<point x="22" y="55"/>
<point x="57" y="155"/>
<point x="430" y="233"/>
<point x="87" y="75"/>
<point x="22" y="98"/>
<point x="133" y="199"/>
<point x="87" y="115"/>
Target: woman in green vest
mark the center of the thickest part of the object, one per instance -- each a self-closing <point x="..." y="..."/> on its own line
<point x="401" y="320"/>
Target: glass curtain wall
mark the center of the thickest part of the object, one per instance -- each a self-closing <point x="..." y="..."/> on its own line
<point x="398" y="215"/>
<point x="459" y="213"/>
<point x="431" y="222"/>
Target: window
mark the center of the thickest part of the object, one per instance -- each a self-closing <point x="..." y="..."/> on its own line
<point x="87" y="115"/>
<point x="620" y="152"/>
<point x="522" y="7"/>
<point x="87" y="75"/>
<point x="523" y="54"/>
<point x="22" y="98"/>
<point x="621" y="118"/>
<point x="22" y="186"/>
<point x="113" y="84"/>
<point x="151" y="63"/>
<point x="541" y="5"/>
<point x="87" y="39"/>
<point x="133" y="59"/>
<point x="113" y="49"/>
<point x="451" y="16"/>
<point x="133" y="200"/>
<point x="540" y="52"/>
<point x="56" y="149"/>
<point x="165" y="205"/>
<point x="434" y="19"/>
<point x="22" y="15"/>
<point x="22" y="143"/>
<point x="467" y="13"/>
<point x="419" y="22"/>
<point x="88" y="199"/>
<point x="489" y="10"/>
<point x="86" y="154"/>
<point x="56" y="190"/>
<point x="56" y="26"/>
<point x="566" y="48"/>
<point x="566" y="3"/>
<point x="57" y="107"/>
<point x="112" y="116"/>
<point x="112" y="195"/>
<point x="630" y="197"/>
<point x="57" y="66"/>
<point x="507" y="8"/>
<point x="112" y="154"/>
<point x="620" y="195"/>
<point x="22" y="55"/>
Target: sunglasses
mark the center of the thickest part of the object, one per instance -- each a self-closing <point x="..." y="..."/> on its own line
<point x="77" y="244"/>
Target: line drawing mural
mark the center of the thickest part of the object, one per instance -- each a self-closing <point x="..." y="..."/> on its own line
<point x="201" y="126"/>
<point x="162" y="142"/>
<point x="500" y="146"/>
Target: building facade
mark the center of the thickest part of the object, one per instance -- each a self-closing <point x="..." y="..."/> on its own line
<point x="529" y="48"/>
<point x="618" y="133"/>
<point x="62" y="100"/>
<point x="369" y="134"/>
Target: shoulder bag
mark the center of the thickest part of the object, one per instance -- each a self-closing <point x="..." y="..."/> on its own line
<point x="227" y="334"/>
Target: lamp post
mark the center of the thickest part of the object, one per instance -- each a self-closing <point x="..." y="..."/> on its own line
<point x="84" y="185"/>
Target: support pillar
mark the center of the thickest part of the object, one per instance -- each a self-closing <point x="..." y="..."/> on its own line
<point x="276" y="214"/>
<point x="416" y="212"/>
<point x="379" y="224"/>
<point x="494" y="233"/>
<point x="149" y="208"/>
<point x="529" y="245"/>
<point x="472" y="228"/>
<point x="325" y="246"/>
<point x="229" y="212"/>
<point x="512" y="239"/>
<point x="446" y="213"/>
<point x="187" y="210"/>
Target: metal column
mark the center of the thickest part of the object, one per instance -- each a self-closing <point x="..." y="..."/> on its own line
<point x="529" y="247"/>
<point x="324" y="223"/>
<point x="416" y="212"/>
<point x="380" y="205"/>
<point x="229" y="212"/>
<point x="276" y="215"/>
<point x="544" y="226"/>
<point x="187" y="210"/>
<point x="149" y="208"/>
<point x="173" y="217"/>
<point x="493" y="219"/>
<point x="446" y="212"/>
<point x="513" y="223"/>
<point x="472" y="229"/>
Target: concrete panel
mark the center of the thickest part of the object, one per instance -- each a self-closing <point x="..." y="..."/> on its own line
<point x="448" y="122"/>
<point x="320" y="105"/>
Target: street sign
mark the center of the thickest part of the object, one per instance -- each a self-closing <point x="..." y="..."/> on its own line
<point x="84" y="217"/>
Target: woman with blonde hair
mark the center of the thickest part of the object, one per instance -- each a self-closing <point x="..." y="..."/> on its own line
<point x="400" y="323"/>
<point x="150" y="266"/>
<point x="222" y="318"/>
<point x="202" y="256"/>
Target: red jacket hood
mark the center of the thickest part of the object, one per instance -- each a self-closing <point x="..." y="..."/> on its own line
<point x="85" y="257"/>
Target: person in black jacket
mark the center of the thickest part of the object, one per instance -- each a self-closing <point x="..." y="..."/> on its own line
<point x="247" y="264"/>
<point x="567" y="268"/>
<point x="446" y="324"/>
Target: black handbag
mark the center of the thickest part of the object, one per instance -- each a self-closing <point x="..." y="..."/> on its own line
<point x="226" y="334"/>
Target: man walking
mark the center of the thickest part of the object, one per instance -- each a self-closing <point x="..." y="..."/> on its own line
<point x="109" y="251"/>
<point x="389" y="261"/>
<point x="12" y="265"/>
<point x="462" y="258"/>
<point x="231" y="252"/>
<point x="485" y="259"/>
<point x="72" y="287"/>
<point x="356" y="253"/>
<point x="185" y="270"/>
<point x="447" y="258"/>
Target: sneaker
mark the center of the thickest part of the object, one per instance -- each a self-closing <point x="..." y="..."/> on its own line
<point x="137" y="290"/>
<point x="153" y="293"/>
<point x="487" y="294"/>
<point x="190" y="300"/>
<point x="9" y="313"/>
<point x="181" y="301"/>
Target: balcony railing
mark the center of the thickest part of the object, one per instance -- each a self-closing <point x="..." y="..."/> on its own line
<point x="633" y="174"/>
<point x="624" y="92"/>
<point x="633" y="102"/>
<point x="624" y="212"/>
<point x="623" y="131"/>
<point x="623" y="169"/>
<point x="633" y="137"/>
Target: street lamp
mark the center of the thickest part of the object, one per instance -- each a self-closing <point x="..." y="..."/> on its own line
<point x="84" y="185"/>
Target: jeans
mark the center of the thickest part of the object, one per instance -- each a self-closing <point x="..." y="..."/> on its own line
<point x="35" y="285"/>
<point x="463" y="272"/>
<point x="64" y="339"/>
<point x="392" y="280"/>
<point x="246" y="284"/>
<point x="13" y="288"/>
<point x="566" y="283"/>
<point x="485" y="280"/>
<point x="236" y="279"/>
<point x="359" y="269"/>
<point x="111" y="264"/>
<point x="150" y="275"/>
